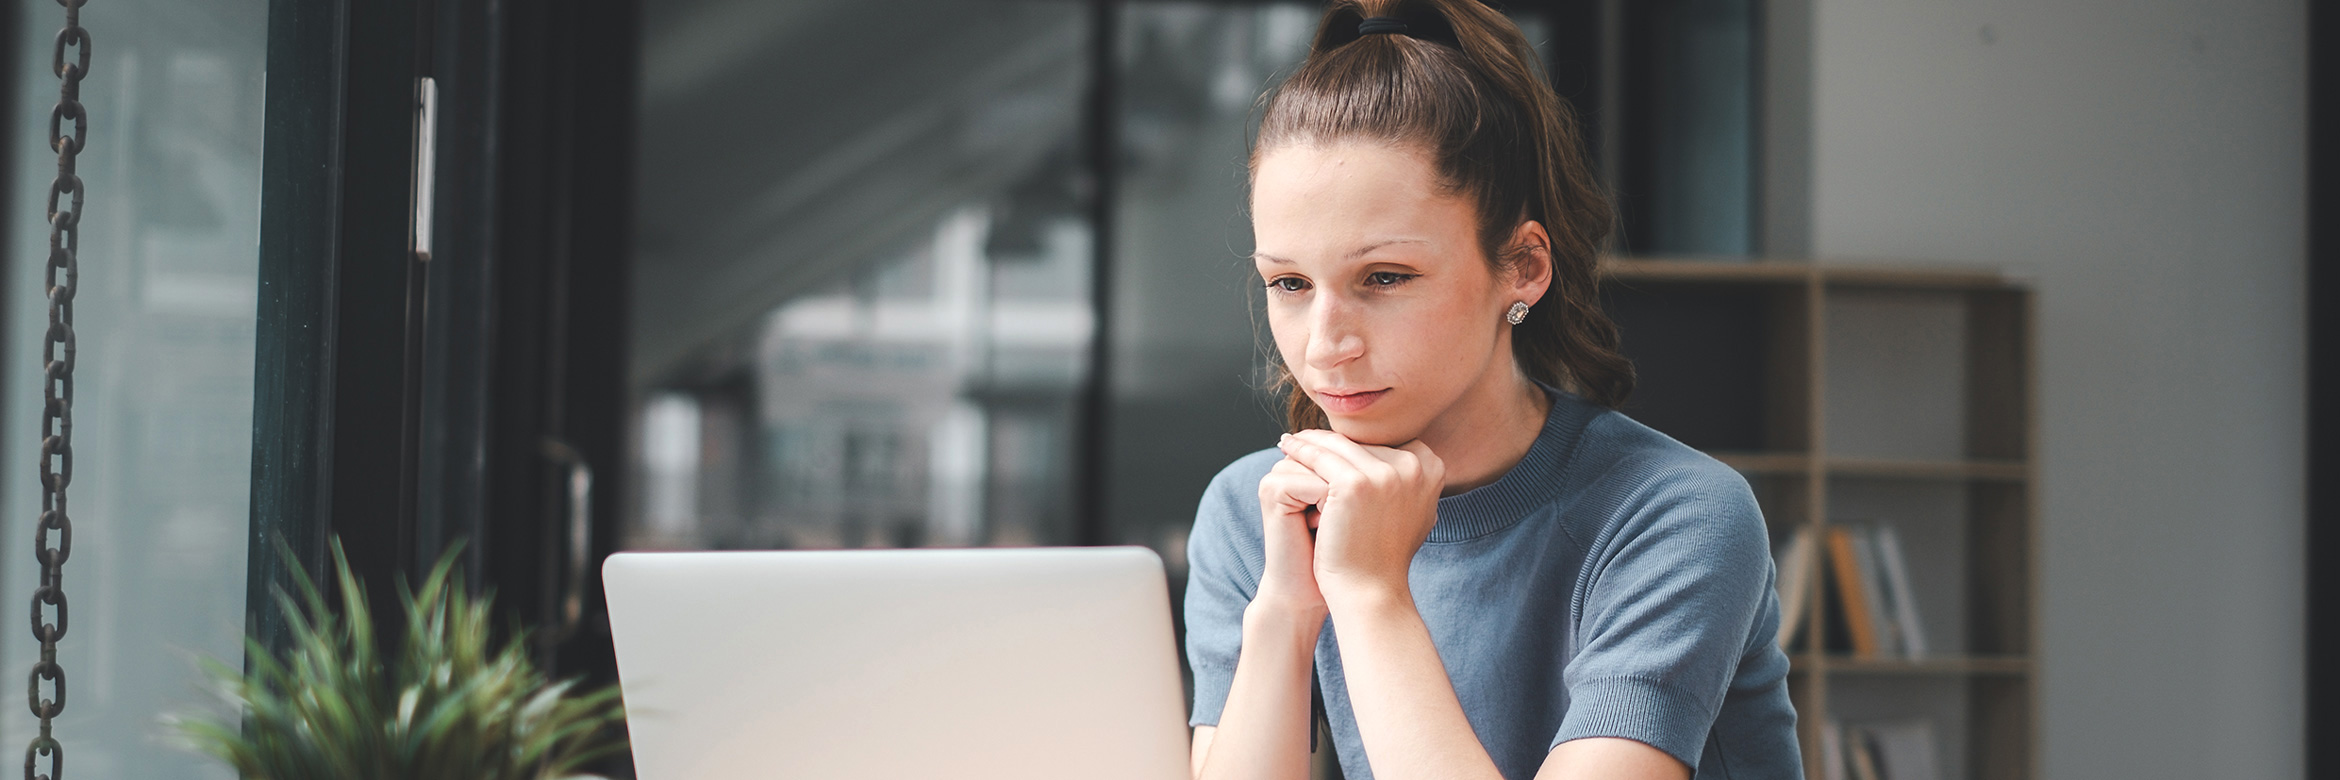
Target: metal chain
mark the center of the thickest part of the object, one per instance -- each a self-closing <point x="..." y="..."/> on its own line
<point x="63" y="272"/>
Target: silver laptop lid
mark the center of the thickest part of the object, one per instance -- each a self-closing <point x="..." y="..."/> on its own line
<point x="1026" y="663"/>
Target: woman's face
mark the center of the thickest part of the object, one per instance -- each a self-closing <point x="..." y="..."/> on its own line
<point x="1382" y="303"/>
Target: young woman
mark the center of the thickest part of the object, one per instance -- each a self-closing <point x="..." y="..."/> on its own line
<point x="1483" y="569"/>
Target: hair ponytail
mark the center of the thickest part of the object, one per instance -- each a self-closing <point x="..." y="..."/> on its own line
<point x="1464" y="83"/>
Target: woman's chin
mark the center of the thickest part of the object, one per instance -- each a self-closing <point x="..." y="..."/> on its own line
<point x="1373" y="430"/>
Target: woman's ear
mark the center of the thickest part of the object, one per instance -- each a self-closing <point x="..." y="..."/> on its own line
<point x="1531" y="266"/>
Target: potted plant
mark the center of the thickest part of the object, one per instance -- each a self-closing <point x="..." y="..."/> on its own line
<point x="443" y="702"/>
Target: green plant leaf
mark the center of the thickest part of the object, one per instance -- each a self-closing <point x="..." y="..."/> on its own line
<point x="447" y="702"/>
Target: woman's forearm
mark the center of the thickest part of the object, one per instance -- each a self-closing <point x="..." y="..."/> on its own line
<point x="1407" y="714"/>
<point x="1263" y="730"/>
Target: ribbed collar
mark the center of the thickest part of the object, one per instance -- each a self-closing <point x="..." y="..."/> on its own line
<point x="1531" y="483"/>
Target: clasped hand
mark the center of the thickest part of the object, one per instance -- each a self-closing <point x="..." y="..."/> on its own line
<point x="1342" y="520"/>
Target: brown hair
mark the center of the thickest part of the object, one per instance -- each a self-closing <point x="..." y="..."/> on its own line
<point x="1463" y="84"/>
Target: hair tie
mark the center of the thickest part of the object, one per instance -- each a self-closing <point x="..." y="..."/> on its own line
<point x="1382" y="24"/>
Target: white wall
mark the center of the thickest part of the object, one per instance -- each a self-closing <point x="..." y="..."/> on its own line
<point x="2145" y="161"/>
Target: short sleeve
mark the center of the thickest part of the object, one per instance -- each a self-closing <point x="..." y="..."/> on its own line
<point x="1671" y="594"/>
<point x="1223" y="563"/>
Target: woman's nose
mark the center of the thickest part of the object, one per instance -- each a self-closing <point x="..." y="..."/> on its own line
<point x="1333" y="335"/>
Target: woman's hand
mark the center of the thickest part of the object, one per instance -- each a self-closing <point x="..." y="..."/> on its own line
<point x="1288" y="496"/>
<point x="1376" y="508"/>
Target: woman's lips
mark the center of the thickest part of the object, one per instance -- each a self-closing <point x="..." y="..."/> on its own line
<point x="1349" y="403"/>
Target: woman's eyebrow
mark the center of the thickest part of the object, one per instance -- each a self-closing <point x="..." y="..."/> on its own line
<point x="1354" y="253"/>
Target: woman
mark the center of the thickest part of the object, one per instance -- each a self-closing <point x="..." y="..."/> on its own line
<point x="1484" y="574"/>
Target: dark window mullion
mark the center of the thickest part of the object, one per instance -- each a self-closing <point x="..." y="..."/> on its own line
<point x="1103" y="141"/>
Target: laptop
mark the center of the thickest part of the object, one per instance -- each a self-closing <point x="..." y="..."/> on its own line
<point x="1026" y="663"/>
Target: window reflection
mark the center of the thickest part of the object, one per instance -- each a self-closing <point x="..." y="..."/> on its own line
<point x="925" y="401"/>
<point x="864" y="322"/>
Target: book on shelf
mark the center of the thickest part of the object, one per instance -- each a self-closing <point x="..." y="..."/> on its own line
<point x="1909" y="632"/>
<point x="1860" y="757"/>
<point x="1905" y="749"/>
<point x="1870" y="593"/>
<point x="1879" y="750"/>
<point x="1793" y="561"/>
<point x="1875" y="603"/>
<point x="1832" y="751"/>
<point x="1852" y="594"/>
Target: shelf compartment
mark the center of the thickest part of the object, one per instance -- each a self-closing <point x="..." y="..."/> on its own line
<point x="1831" y="272"/>
<point x="1722" y="367"/>
<point x="1980" y="665"/>
<point x="1982" y="720"/>
<point x="1842" y="273"/>
<point x="1710" y="270"/>
<point x="1894" y="468"/>
<point x="1999" y="580"/>
<point x="1883" y="393"/>
<point x="1767" y="464"/>
<point x="1855" y="275"/>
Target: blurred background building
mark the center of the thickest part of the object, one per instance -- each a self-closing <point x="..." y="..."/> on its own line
<point x="855" y="273"/>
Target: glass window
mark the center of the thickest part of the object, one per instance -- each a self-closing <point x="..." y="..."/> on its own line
<point x="863" y="278"/>
<point x="1690" y="106"/>
<point x="163" y="396"/>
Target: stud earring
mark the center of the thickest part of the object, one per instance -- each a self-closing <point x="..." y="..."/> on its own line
<point x="1518" y="313"/>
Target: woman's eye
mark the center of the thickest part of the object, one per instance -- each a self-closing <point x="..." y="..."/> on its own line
<point x="1386" y="278"/>
<point x="1287" y="284"/>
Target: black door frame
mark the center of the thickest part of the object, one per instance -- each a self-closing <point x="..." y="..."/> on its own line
<point x="563" y="215"/>
<point x="330" y="411"/>
<point x="2323" y="392"/>
<point x="401" y="404"/>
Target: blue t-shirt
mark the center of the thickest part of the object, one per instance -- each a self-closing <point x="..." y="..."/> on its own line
<point x="1614" y="583"/>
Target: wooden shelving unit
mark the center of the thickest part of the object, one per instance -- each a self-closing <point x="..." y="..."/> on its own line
<point x="1865" y="393"/>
